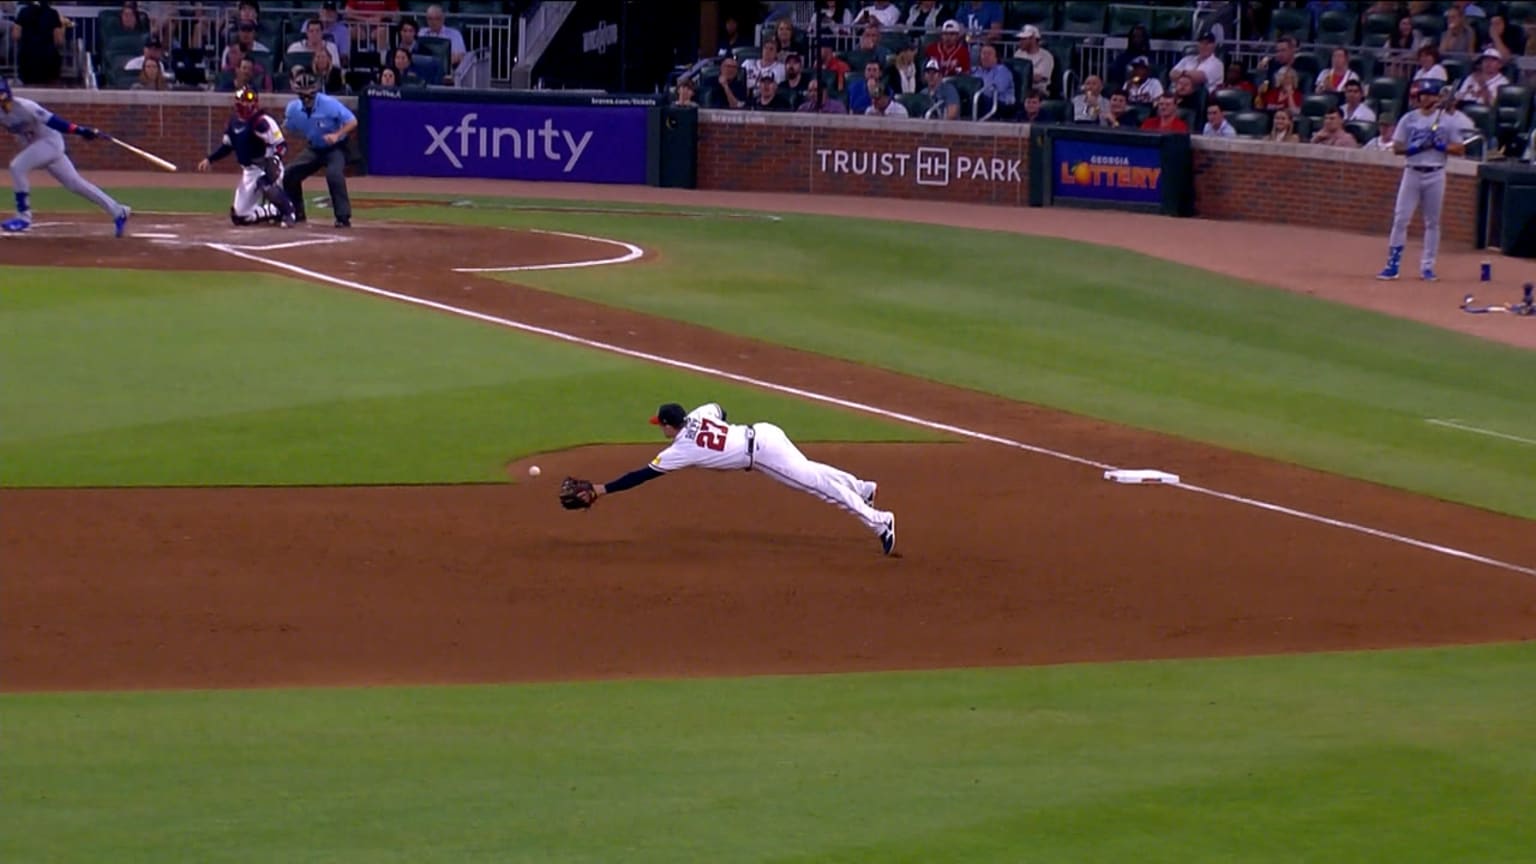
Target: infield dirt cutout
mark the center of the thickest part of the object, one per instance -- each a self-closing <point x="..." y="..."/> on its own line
<point x="1007" y="557"/>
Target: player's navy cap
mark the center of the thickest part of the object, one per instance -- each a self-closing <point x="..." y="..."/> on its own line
<point x="1430" y="86"/>
<point x="672" y="414"/>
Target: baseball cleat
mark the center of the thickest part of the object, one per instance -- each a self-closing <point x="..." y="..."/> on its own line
<point x="120" y="221"/>
<point x="1428" y="275"/>
<point x="289" y="220"/>
<point x="888" y="536"/>
<point x="870" y="498"/>
<point x="16" y="225"/>
<point x="343" y="223"/>
<point x="1388" y="272"/>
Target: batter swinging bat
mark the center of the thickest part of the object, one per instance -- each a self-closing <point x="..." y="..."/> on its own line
<point x="143" y="154"/>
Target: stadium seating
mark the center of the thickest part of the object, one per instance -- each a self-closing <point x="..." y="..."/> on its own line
<point x="1431" y="25"/>
<point x="1388" y="91"/>
<point x="1378" y="29"/>
<point x="1362" y="131"/>
<point x="1250" y="124"/>
<point x="1023" y="74"/>
<point x="917" y="104"/>
<point x="1083" y="17"/>
<point x="1232" y="100"/>
<point x="1017" y="14"/>
<point x="1336" y="28"/>
<point x="1519" y="12"/>
<point x="1512" y="113"/>
<point x="1318" y="104"/>
<point x="1123" y="18"/>
<point x="1484" y="119"/>
<point x="1291" y="22"/>
<point x="1172" y="24"/>
<point x="440" y="50"/>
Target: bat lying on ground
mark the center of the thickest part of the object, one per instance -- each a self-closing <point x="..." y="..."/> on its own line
<point x="1526" y="306"/>
<point x="143" y="154"/>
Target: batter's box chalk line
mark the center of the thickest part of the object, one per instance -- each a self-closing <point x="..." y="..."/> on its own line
<point x="631" y="253"/>
<point x="851" y="405"/>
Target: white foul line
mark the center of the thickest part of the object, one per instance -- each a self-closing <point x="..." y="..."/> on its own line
<point x="860" y="406"/>
<point x="292" y="244"/>
<point x="1452" y="424"/>
<point x="631" y="253"/>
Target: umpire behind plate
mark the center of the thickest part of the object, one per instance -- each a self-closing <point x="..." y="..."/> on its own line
<point x="324" y="123"/>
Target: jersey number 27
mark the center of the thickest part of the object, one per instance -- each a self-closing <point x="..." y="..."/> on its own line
<point x="711" y="435"/>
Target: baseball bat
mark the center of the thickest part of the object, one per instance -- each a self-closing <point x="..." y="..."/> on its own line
<point x="143" y="154"/>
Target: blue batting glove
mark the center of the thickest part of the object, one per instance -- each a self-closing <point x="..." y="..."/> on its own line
<point x="1440" y="144"/>
<point x="1413" y="150"/>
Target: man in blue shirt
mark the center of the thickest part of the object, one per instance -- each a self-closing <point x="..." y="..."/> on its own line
<point x="324" y="124"/>
<point x="999" y="79"/>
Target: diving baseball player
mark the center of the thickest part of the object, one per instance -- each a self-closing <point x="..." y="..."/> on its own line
<point x="42" y="146"/>
<point x="256" y="139"/>
<point x="702" y="439"/>
<point x="1426" y="136"/>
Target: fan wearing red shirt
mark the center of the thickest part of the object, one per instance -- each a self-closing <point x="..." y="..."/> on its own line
<point x="377" y="13"/>
<point x="953" y="56"/>
<point x="1167" y="117"/>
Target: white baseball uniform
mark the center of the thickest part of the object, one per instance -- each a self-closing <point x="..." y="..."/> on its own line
<point x="707" y="441"/>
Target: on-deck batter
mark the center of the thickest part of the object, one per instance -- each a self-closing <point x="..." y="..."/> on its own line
<point x="1426" y="136"/>
<point x="703" y="439"/>
<point x="42" y="146"/>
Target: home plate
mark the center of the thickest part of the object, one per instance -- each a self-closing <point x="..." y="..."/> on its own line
<point x="1140" y="475"/>
<point x="152" y="236"/>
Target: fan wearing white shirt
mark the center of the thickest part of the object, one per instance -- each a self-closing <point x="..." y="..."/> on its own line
<point x="767" y="64"/>
<point x="1335" y="77"/>
<point x="1203" y="65"/>
<point x="1482" y="86"/>
<point x="1429" y="67"/>
<point x="883" y="11"/>
<point x="1142" y="88"/>
<point x="1354" y="107"/>
<point x="1216" y="123"/>
<point x="1385" y="127"/>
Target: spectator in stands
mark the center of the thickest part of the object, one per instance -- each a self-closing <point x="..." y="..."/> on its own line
<point x="1167" y="117"/>
<point x="387" y="80"/>
<point x="996" y="81"/>
<point x="1459" y="37"/>
<point x="1482" y="86"/>
<point x="1338" y="73"/>
<point x="924" y="15"/>
<point x="1216" y="123"/>
<point x="1467" y="8"/>
<point x="151" y="75"/>
<point x="1333" y="133"/>
<point x="1203" y="66"/>
<point x="1283" y="58"/>
<point x="830" y="62"/>
<point x="38" y="33"/>
<point x="1187" y="95"/>
<point x="154" y="50"/>
<point x="795" y="79"/>
<point x="245" y="40"/>
<point x="789" y="39"/>
<point x="940" y="92"/>
<point x="1142" y="88"/>
<point x="245" y="11"/>
<point x="903" y="76"/>
<point x="1385" y="128"/>
<point x="405" y="36"/>
<point x="1401" y="48"/>
<point x="1043" y="61"/>
<point x="882" y="105"/>
<point x="1237" y="79"/>
<point x="983" y="22"/>
<point x="1283" y="129"/>
<point x="767" y="64"/>
<point x="1316" y="8"/>
<point x="730" y="90"/>
<point x="314" y="42"/>
<point x="832" y="20"/>
<point x="1508" y="41"/>
<point x="437" y="29"/>
<point x="405" y="72"/>
<point x="131" y="20"/>
<point x="1033" y="109"/>
<point x="335" y="31"/>
<point x="247" y="73"/>
<point x="812" y="103"/>
<point x="1285" y="95"/>
<point x="1354" y="108"/>
<point x="1090" y="106"/>
<point x="950" y="51"/>
<point x="731" y="36"/>
<point x="1119" y="116"/>
<point x="1137" y="44"/>
<point x="869" y="43"/>
<point x="883" y="11"/>
<point x="374" y="16"/>
<point x="328" y="75"/>
<point x="768" y="98"/>
<point x="1429" y="67"/>
<point x="859" y="91"/>
<point x="683" y="94"/>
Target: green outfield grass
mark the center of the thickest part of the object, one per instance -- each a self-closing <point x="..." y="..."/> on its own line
<point x="1087" y="329"/>
<point x="1376" y="757"/>
<point x="141" y="378"/>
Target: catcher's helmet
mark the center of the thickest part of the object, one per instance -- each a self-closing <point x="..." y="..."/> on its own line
<point x="247" y="103"/>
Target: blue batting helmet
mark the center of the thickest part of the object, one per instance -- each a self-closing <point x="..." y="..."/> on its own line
<point x="1430" y="86"/>
<point x="5" y="88"/>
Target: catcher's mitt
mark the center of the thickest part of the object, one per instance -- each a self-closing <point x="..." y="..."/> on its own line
<point x="576" y="494"/>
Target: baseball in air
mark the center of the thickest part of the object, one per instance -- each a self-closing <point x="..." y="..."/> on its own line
<point x="533" y="470"/>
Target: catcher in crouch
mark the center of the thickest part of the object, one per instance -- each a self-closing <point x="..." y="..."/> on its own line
<point x="702" y="439"/>
<point x="257" y="142"/>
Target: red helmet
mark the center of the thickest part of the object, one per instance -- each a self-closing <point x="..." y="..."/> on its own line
<point x="247" y="103"/>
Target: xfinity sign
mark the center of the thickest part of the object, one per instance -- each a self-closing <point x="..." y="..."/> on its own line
<point x="508" y="141"/>
<point x="927" y="166"/>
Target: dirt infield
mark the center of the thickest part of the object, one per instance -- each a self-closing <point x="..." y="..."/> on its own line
<point x="1006" y="557"/>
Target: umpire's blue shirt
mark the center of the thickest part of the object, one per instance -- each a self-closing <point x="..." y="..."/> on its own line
<point x="327" y="116"/>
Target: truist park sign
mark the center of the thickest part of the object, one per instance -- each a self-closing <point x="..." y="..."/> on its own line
<point x="504" y="141"/>
<point x="923" y="166"/>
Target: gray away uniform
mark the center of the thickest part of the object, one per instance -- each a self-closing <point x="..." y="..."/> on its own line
<point x="1423" y="183"/>
<point x="43" y="147"/>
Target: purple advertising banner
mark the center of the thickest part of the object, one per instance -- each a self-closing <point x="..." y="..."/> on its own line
<point x="508" y="142"/>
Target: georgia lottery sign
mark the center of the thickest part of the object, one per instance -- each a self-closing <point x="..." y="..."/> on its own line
<point x="1102" y="171"/>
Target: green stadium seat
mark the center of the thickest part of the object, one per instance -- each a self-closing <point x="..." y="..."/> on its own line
<point x="1250" y="124"/>
<point x="917" y="104"/>
<point x="747" y="52"/>
<point x="1291" y="22"/>
<point x="1518" y="13"/>
<point x="1173" y="24"/>
<point x="1455" y="70"/>
<point x="1017" y="14"/>
<point x="1318" y="104"/>
<point x="1388" y="90"/>
<point x="1082" y="17"/>
<point x="1362" y="131"/>
<point x="1233" y="100"/>
<point x="967" y="86"/>
<point x="440" y="50"/>
<point x="1379" y="27"/>
<point x="1123" y="18"/>
<point x="1432" y="25"/>
<point x="1336" y="28"/>
<point x="1023" y="74"/>
<point x="1307" y="65"/>
<point x="1056" y="110"/>
<point x="1305" y="126"/>
<point x="1484" y="119"/>
<point x="1512" y="109"/>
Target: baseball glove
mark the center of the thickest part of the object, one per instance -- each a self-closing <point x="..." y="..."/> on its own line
<point x="576" y="494"/>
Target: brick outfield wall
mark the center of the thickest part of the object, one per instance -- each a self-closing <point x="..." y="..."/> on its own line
<point x="180" y="127"/>
<point x="1241" y="180"/>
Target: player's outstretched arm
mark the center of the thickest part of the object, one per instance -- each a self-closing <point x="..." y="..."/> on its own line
<point x="628" y="481"/>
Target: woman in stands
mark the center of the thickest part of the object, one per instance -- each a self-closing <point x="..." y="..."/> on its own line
<point x="1333" y="79"/>
<point x="1137" y="44"/>
<point x="151" y="76"/>
<point x="1429" y="67"/>
<point x="1286" y="94"/>
<point x="1284" y="129"/>
<point x="400" y="61"/>
<point x="327" y="75"/>
<point x="1398" y="53"/>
